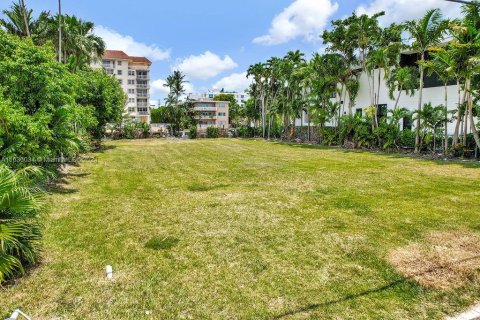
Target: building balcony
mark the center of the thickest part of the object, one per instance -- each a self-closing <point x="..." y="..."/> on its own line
<point x="143" y="76"/>
<point x="142" y="104"/>
<point x="145" y="86"/>
<point x="142" y="95"/>
<point x="205" y="109"/>
<point x="202" y="116"/>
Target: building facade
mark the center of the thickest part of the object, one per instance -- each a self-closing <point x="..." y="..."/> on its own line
<point x="240" y="97"/>
<point x="209" y="113"/>
<point x="133" y="73"/>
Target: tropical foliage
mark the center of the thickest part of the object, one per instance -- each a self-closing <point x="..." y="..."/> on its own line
<point x="50" y="111"/>
<point x="323" y="90"/>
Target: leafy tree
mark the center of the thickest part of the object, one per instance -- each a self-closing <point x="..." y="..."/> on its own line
<point x="102" y="92"/>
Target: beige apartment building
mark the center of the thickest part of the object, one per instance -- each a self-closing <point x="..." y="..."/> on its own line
<point x="133" y="73"/>
<point x="209" y="113"/>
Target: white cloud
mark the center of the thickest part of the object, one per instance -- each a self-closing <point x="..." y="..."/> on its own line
<point x="235" y="82"/>
<point x="303" y="18"/>
<point x="205" y="66"/>
<point x="158" y="88"/>
<point x="401" y="10"/>
<point x="117" y="41"/>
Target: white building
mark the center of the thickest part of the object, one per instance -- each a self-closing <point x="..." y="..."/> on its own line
<point x="239" y="96"/>
<point x="133" y="73"/>
<point x="433" y="92"/>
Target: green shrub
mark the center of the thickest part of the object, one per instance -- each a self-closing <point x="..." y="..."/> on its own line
<point x="19" y="227"/>
<point x="193" y="132"/>
<point x="134" y="130"/>
<point x="407" y="139"/>
<point x="213" y="132"/>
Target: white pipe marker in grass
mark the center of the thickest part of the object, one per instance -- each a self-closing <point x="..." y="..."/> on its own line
<point x="109" y="271"/>
<point x="17" y="313"/>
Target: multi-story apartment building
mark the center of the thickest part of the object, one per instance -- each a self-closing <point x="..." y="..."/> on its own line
<point x="240" y="97"/>
<point x="133" y="73"/>
<point x="209" y="113"/>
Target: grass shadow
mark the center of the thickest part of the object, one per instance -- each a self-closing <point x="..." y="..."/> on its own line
<point x="467" y="163"/>
<point x="353" y="296"/>
<point x="102" y="148"/>
<point x="161" y="243"/>
<point x="199" y="187"/>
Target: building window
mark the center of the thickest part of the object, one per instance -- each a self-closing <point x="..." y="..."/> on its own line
<point x="222" y="114"/>
<point x="359" y="112"/>
<point x="382" y="111"/>
<point x="131" y="72"/>
<point x="109" y="71"/>
<point x="221" y="105"/>
<point x="120" y="81"/>
<point x="131" y="109"/>
<point x="131" y="91"/>
<point x="407" y="124"/>
<point x="131" y="100"/>
<point x="131" y="81"/>
<point x="119" y="63"/>
<point x="119" y="72"/>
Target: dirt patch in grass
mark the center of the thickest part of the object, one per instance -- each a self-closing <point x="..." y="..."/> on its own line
<point x="444" y="260"/>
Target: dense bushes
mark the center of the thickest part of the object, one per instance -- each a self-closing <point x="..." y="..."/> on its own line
<point x="46" y="113"/>
<point x="213" y="132"/>
<point x="193" y="132"/>
<point x="133" y="130"/>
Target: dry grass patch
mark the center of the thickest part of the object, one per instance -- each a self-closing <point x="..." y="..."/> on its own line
<point x="445" y="260"/>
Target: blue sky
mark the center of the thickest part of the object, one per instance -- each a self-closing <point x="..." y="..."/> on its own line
<point x="214" y="41"/>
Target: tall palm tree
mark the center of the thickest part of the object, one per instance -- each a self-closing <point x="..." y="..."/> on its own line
<point x="443" y="66"/>
<point x="80" y="46"/>
<point x="20" y="21"/>
<point x="258" y="71"/>
<point x="427" y="32"/>
<point x="466" y="49"/>
<point x="176" y="83"/>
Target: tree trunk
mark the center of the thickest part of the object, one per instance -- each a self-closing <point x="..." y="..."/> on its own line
<point x="472" y="122"/>
<point x="398" y="99"/>
<point x="417" y="129"/>
<point x="25" y="20"/>
<point x="263" y="115"/>
<point x="459" y="116"/>
<point x="308" y="116"/>
<point x="445" y="146"/>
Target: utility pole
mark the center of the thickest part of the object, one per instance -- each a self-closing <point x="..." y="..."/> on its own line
<point x="59" y="30"/>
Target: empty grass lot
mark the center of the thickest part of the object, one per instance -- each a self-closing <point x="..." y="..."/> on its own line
<point x="243" y="229"/>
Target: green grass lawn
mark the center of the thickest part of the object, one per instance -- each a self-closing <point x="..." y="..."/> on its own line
<point x="243" y="229"/>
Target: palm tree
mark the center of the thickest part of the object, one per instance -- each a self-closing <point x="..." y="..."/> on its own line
<point x="80" y="46"/>
<point x="443" y="65"/>
<point x="258" y="72"/>
<point x="427" y="32"/>
<point x="175" y="82"/>
<point x="465" y="50"/>
<point x="19" y="21"/>
<point x="19" y="230"/>
<point x="402" y="79"/>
